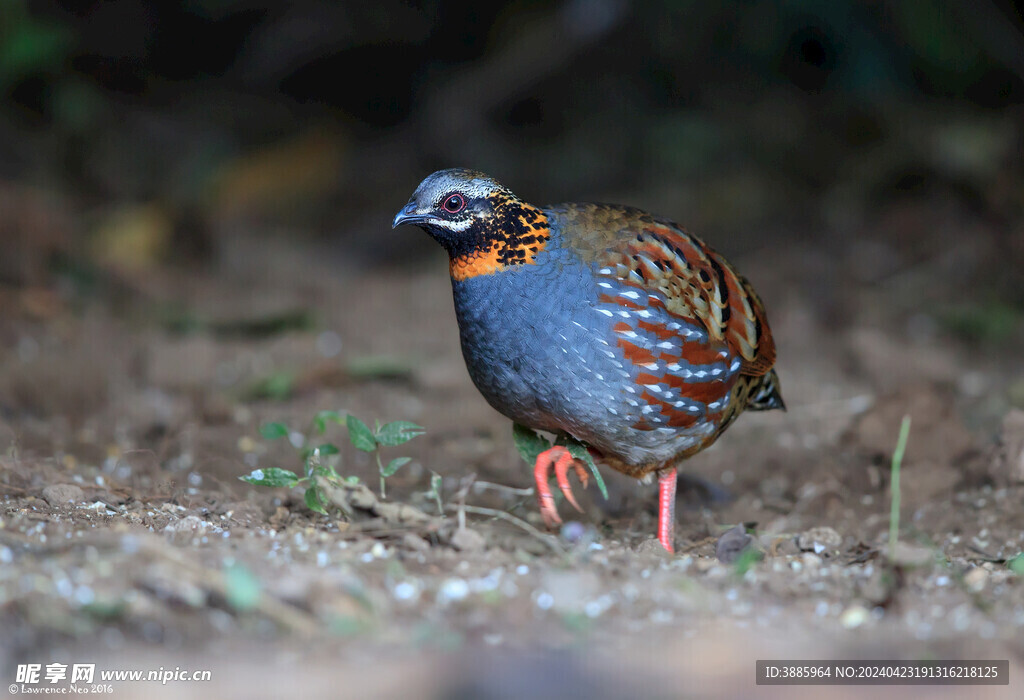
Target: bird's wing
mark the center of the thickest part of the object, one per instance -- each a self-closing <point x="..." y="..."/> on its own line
<point x="694" y="282"/>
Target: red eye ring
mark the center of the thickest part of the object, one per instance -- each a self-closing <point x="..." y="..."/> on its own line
<point x="454" y="203"/>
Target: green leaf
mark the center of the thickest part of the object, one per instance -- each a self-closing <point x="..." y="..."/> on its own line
<point x="394" y="465"/>
<point x="321" y="419"/>
<point x="274" y="431"/>
<point x="327" y="449"/>
<point x="528" y="443"/>
<point x="1017" y="564"/>
<point x="579" y="450"/>
<point x="360" y="435"/>
<point x="271" y="476"/>
<point x="747" y="558"/>
<point x="398" y="432"/>
<point x="242" y="588"/>
<point x="313" y="501"/>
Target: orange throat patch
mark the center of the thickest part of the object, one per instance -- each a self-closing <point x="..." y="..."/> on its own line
<point x="514" y="235"/>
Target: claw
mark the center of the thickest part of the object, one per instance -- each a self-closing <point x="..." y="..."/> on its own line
<point x="562" y="459"/>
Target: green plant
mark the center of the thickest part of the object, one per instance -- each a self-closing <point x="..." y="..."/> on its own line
<point x="320" y="459"/>
<point x="747" y="558"/>
<point x="894" y="486"/>
<point x="435" y="491"/>
<point x="387" y="435"/>
<point x="530" y="444"/>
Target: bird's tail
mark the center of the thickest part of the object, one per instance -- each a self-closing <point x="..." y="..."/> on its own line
<point x="768" y="395"/>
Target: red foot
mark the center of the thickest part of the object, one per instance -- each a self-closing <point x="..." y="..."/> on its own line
<point x="667" y="508"/>
<point x="562" y="459"/>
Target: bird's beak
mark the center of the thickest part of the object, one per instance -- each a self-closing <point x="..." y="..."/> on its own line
<point x="408" y="215"/>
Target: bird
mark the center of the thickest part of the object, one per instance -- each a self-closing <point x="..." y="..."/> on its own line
<point x="600" y="322"/>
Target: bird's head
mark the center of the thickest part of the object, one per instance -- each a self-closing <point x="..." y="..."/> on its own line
<point x="483" y="226"/>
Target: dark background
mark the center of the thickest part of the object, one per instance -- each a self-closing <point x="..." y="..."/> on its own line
<point x="753" y="123"/>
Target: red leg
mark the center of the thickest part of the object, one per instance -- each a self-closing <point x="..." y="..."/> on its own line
<point x="667" y="508"/>
<point x="562" y="459"/>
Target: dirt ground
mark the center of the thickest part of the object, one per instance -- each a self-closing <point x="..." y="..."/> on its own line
<point x="127" y="539"/>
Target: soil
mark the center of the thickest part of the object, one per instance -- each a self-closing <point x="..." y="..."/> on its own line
<point x="127" y="538"/>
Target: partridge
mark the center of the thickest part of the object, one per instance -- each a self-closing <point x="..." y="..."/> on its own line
<point x="602" y="322"/>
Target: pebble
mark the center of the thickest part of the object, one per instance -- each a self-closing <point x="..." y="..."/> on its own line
<point x="911" y="555"/>
<point x="854" y="616"/>
<point x="819" y="540"/>
<point x="811" y="560"/>
<point x="453" y="589"/>
<point x="975" y="579"/>
<point x="467" y="540"/>
<point x="58" y="494"/>
<point x="414" y="542"/>
<point x="406" y="591"/>
<point x="731" y="544"/>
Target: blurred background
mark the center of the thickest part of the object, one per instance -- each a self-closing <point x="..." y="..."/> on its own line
<point x="159" y="128"/>
<point x="195" y="209"/>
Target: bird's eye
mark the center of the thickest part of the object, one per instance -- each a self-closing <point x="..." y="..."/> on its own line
<point x="454" y="203"/>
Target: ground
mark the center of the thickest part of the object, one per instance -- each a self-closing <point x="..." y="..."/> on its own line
<point x="127" y="538"/>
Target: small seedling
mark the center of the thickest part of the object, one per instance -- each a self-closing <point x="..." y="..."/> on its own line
<point x="530" y="444"/>
<point x="435" y="491"/>
<point x="321" y="460"/>
<point x="894" y="485"/>
<point x="1016" y="564"/>
<point x="387" y="435"/>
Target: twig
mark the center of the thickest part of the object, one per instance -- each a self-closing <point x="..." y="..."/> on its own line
<point x="481" y="485"/>
<point x="460" y="497"/>
<point x="549" y="540"/>
<point x="13" y="488"/>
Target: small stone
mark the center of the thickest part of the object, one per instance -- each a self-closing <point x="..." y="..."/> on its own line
<point x="182" y="531"/>
<point x="811" y="560"/>
<point x="414" y="542"/>
<point x="58" y="494"/>
<point x="652" y="546"/>
<point x="407" y="590"/>
<point x="819" y="540"/>
<point x="731" y="544"/>
<point x="467" y="540"/>
<point x="573" y="531"/>
<point x="854" y="616"/>
<point x="452" y="590"/>
<point x="910" y="555"/>
<point x="975" y="579"/>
